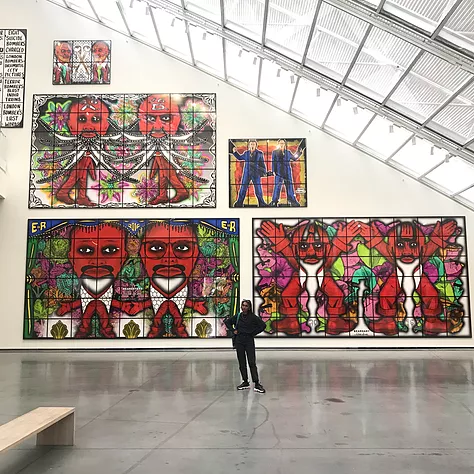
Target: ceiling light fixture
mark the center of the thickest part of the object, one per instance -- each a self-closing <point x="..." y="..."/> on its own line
<point x="413" y="140"/>
<point x="318" y="91"/>
<point x="338" y="102"/>
<point x="240" y="53"/>
<point x="204" y="36"/>
<point x="279" y="72"/>
<point x="447" y="158"/>
<point x="292" y="78"/>
<point x="356" y="110"/>
<point x="391" y="128"/>
<point x="255" y="59"/>
<point x="432" y="150"/>
<point x="131" y="3"/>
<point x="173" y="22"/>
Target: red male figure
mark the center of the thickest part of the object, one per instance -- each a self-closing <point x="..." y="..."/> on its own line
<point x="407" y="249"/>
<point x="97" y="254"/>
<point x="169" y="253"/>
<point x="311" y="254"/>
<point x="88" y="119"/>
<point x="159" y="117"/>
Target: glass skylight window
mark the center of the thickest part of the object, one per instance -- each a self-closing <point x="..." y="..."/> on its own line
<point x="173" y="35"/>
<point x="381" y="63"/>
<point x="210" y="9"/>
<point x="312" y="102"/>
<point x="419" y="156"/>
<point x="207" y="50"/>
<point x="245" y="18"/>
<point x="431" y="81"/>
<point x="347" y="120"/>
<point x="242" y="67"/>
<point x="454" y="175"/>
<point x="335" y="41"/>
<point x="382" y="138"/>
<point x="277" y="85"/>
<point x="289" y="24"/>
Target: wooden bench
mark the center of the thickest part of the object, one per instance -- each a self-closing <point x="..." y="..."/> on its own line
<point x="53" y="425"/>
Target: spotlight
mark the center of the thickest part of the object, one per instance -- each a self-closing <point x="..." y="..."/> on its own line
<point x="318" y="91"/>
<point x="391" y="128"/>
<point x="356" y="110"/>
<point x="204" y="36"/>
<point x="413" y="140"/>
<point x="131" y="3"/>
<point x="292" y="78"/>
<point x="447" y="158"/>
<point x="255" y="59"/>
<point x="432" y="150"/>
<point x="279" y="72"/>
<point x="240" y="53"/>
<point x="173" y="22"/>
<point x="338" y="102"/>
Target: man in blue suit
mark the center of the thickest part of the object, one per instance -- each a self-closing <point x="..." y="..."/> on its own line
<point x="254" y="169"/>
<point x="281" y="168"/>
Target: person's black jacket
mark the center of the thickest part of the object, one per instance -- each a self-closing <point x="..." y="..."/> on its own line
<point x="248" y="327"/>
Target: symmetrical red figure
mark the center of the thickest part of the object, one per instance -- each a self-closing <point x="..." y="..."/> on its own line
<point x="408" y="250"/>
<point x="169" y="253"/>
<point x="62" y="66"/>
<point x="311" y="253"/>
<point x="159" y="118"/>
<point x="88" y="120"/>
<point x="100" y="64"/>
<point x="97" y="253"/>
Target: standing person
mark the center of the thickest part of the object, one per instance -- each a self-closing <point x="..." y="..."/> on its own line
<point x="254" y="170"/>
<point x="245" y="326"/>
<point x="281" y="168"/>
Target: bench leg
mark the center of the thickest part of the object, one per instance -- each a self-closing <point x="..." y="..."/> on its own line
<point x="59" y="434"/>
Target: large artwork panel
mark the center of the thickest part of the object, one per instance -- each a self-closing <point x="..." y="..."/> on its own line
<point x="12" y="77"/>
<point x="123" y="150"/>
<point x="366" y="277"/>
<point x="160" y="278"/>
<point x="267" y="172"/>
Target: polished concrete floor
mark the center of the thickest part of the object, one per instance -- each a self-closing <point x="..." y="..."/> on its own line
<point x="178" y="412"/>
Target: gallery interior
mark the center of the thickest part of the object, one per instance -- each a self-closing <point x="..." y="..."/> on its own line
<point x="188" y="184"/>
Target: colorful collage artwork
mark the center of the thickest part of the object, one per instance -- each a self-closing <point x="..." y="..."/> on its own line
<point x="155" y="278"/>
<point x="81" y="62"/>
<point x="267" y="172"/>
<point x="123" y="150"/>
<point x="392" y="277"/>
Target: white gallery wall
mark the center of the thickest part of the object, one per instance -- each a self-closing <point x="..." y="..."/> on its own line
<point x="341" y="180"/>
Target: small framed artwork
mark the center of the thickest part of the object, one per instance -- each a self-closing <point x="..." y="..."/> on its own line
<point x="267" y="172"/>
<point x="81" y="62"/>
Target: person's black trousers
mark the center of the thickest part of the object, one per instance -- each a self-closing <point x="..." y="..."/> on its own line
<point x="242" y="347"/>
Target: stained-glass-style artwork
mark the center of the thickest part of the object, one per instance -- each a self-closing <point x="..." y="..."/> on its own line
<point x="154" y="278"/>
<point x="267" y="172"/>
<point x="81" y="62"/>
<point x="12" y="77"/>
<point x="123" y="150"/>
<point x="404" y="276"/>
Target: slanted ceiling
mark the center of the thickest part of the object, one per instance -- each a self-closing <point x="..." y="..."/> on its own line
<point x="394" y="78"/>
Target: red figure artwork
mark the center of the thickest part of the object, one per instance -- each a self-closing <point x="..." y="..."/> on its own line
<point x="361" y="277"/>
<point x="160" y="278"/>
<point x="123" y="150"/>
